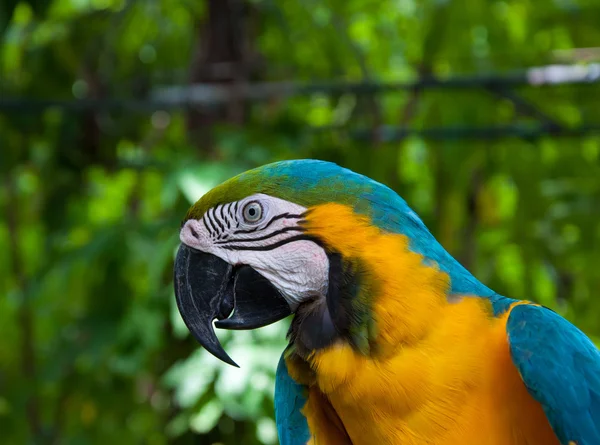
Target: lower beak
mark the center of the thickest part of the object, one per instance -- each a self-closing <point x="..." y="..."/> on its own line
<point x="209" y="288"/>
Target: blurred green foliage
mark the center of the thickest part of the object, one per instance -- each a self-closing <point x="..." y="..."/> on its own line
<point x="93" y="349"/>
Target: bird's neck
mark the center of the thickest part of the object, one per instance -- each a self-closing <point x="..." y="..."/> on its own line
<point x="409" y="341"/>
<point x="382" y="295"/>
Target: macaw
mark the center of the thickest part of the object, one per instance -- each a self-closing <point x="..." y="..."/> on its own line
<point x="392" y="341"/>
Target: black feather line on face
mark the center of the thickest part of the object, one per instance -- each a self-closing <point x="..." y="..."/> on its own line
<point x="239" y="232"/>
<point x="223" y="217"/>
<point x="282" y="216"/>
<point x="262" y="238"/>
<point x="211" y="225"/>
<point x="272" y="220"/>
<point x="275" y="245"/>
<point x="219" y="223"/>
<point x="208" y="224"/>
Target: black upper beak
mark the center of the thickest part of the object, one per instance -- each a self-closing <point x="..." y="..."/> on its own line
<point x="208" y="288"/>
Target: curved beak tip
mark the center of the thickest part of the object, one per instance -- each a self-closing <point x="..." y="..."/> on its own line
<point x="208" y="288"/>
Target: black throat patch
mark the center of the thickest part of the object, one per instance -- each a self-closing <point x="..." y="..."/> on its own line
<point x="319" y="323"/>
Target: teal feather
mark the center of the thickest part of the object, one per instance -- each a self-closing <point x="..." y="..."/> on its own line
<point x="561" y="369"/>
<point x="290" y="397"/>
<point x="558" y="363"/>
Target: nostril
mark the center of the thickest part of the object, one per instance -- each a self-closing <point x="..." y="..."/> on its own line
<point x="194" y="233"/>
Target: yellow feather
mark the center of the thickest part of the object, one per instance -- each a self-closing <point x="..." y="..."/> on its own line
<point x="442" y="374"/>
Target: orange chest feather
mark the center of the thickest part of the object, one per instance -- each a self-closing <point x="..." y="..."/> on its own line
<point x="441" y="372"/>
<point x="457" y="387"/>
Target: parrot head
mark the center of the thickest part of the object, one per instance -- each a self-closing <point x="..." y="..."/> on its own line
<point x="267" y="244"/>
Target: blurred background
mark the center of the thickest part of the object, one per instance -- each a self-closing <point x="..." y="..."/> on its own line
<point x="116" y="115"/>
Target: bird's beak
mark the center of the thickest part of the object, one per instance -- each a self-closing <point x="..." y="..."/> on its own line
<point x="209" y="288"/>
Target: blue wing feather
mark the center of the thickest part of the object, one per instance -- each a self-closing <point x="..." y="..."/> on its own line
<point x="560" y="367"/>
<point x="290" y="398"/>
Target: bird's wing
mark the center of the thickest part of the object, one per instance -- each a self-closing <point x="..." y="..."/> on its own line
<point x="560" y="367"/>
<point x="290" y="398"/>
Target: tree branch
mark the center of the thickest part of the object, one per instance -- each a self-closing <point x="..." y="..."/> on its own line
<point x="25" y="315"/>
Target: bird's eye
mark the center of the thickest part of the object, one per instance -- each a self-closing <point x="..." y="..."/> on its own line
<point x="253" y="212"/>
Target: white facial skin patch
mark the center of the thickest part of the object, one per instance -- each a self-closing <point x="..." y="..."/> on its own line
<point x="263" y="232"/>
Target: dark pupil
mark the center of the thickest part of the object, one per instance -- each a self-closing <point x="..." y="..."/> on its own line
<point x="251" y="211"/>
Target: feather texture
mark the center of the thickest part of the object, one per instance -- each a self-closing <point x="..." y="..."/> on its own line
<point x="561" y="369"/>
<point x="290" y="398"/>
<point x="448" y="360"/>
